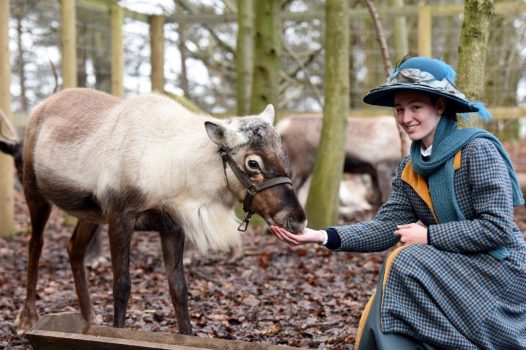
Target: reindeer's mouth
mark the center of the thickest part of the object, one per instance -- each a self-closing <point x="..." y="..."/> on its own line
<point x="286" y="220"/>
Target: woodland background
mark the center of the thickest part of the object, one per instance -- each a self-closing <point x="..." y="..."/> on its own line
<point x="308" y="297"/>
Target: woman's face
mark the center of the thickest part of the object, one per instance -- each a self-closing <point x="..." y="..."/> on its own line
<point x="418" y="115"/>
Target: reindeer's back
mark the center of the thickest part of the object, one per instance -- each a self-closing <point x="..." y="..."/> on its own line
<point x="96" y="143"/>
<point x="70" y="114"/>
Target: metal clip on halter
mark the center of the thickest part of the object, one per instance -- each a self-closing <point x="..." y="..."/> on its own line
<point x="243" y="226"/>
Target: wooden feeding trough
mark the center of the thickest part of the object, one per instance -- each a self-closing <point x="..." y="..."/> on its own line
<point x="68" y="331"/>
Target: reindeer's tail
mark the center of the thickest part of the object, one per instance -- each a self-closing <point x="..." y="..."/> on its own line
<point x="10" y="143"/>
<point x="7" y="131"/>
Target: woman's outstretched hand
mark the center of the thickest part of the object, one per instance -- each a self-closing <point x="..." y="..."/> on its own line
<point x="306" y="236"/>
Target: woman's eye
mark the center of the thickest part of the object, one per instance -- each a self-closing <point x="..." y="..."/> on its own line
<point x="252" y="164"/>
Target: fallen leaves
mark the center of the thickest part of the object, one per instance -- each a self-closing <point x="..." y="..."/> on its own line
<point x="306" y="297"/>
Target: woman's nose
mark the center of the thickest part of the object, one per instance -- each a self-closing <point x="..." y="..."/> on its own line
<point x="404" y="117"/>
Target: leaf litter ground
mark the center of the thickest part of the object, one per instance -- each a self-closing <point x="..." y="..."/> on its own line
<point x="306" y="297"/>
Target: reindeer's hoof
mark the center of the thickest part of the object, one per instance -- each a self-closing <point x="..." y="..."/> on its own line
<point x="26" y="318"/>
<point x="94" y="319"/>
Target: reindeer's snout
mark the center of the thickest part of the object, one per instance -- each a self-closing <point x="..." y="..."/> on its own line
<point x="291" y="220"/>
<point x="294" y="226"/>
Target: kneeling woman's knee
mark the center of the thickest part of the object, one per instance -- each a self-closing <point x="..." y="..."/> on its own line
<point x="407" y="260"/>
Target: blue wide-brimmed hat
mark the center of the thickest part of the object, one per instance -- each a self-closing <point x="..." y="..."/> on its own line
<point x="426" y="75"/>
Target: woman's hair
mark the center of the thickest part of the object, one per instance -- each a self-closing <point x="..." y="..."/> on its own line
<point x="448" y="113"/>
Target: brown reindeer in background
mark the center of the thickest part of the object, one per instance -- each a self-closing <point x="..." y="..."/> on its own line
<point x="372" y="147"/>
<point x="148" y="164"/>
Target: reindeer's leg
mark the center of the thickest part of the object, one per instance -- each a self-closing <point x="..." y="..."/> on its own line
<point x="39" y="210"/>
<point x="94" y="251"/>
<point x="77" y="246"/>
<point x="173" y="249"/>
<point x="120" y="231"/>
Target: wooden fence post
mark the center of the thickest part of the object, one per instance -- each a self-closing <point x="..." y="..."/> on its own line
<point x="424" y="31"/>
<point x="157" y="52"/>
<point x="69" y="43"/>
<point x="7" y="202"/>
<point x="117" y="50"/>
<point x="68" y="38"/>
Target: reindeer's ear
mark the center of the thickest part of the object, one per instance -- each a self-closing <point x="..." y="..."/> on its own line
<point x="268" y="114"/>
<point x="224" y="136"/>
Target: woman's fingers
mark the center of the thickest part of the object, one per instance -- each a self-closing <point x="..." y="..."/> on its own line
<point x="286" y="236"/>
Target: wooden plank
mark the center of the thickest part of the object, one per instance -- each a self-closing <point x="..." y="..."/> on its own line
<point x="51" y="340"/>
<point x="67" y="331"/>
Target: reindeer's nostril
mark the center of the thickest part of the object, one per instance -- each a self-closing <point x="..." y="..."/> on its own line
<point x="294" y="226"/>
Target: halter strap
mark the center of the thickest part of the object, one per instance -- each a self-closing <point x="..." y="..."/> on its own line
<point x="252" y="188"/>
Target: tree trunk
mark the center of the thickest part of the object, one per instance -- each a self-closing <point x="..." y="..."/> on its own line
<point x="117" y="50"/>
<point x="323" y="200"/>
<point x="102" y="60"/>
<point x="478" y="15"/>
<point x="265" y="83"/>
<point x="244" y="54"/>
<point x="181" y="45"/>
<point x="20" y="64"/>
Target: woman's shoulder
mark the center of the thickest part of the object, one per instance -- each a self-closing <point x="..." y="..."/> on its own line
<point x="482" y="152"/>
<point x="403" y="162"/>
<point x="480" y="146"/>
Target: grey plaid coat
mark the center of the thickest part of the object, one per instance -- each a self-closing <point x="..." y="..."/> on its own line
<point x="450" y="293"/>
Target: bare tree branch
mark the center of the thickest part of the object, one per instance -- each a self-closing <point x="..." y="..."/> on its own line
<point x="190" y="8"/>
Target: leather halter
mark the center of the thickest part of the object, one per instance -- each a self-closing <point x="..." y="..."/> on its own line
<point x="252" y="188"/>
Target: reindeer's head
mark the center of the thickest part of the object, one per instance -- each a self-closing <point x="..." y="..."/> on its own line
<point x="256" y="167"/>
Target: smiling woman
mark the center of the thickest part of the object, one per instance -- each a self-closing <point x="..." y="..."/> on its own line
<point x="456" y="282"/>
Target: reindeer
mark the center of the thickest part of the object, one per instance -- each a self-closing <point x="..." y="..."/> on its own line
<point x="148" y="164"/>
<point x="372" y="147"/>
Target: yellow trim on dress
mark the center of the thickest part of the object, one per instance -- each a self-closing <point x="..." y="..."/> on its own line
<point x="419" y="184"/>
<point x="457" y="160"/>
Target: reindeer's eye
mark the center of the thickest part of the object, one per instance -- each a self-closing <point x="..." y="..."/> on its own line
<point x="252" y="164"/>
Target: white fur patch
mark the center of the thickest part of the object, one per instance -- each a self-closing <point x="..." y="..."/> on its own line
<point x="210" y="226"/>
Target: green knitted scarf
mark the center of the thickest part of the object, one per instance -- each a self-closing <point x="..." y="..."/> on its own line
<point x="439" y="172"/>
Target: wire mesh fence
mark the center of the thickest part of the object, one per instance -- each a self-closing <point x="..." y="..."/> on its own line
<point x="209" y="75"/>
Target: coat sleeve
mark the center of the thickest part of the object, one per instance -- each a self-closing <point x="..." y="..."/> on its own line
<point x="491" y="194"/>
<point x="378" y="234"/>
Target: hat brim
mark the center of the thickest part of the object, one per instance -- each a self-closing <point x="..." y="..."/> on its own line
<point x="384" y="96"/>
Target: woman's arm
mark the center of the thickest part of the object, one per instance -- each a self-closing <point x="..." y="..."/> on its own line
<point x="375" y="235"/>
<point x="490" y="190"/>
